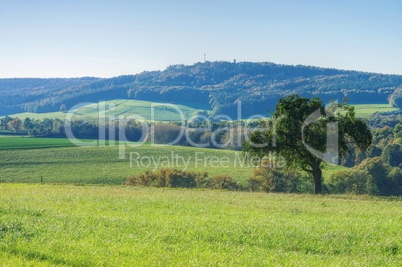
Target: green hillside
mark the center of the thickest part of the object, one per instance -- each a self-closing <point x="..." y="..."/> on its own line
<point x="165" y="113"/>
<point x="162" y="111"/>
<point x="220" y="86"/>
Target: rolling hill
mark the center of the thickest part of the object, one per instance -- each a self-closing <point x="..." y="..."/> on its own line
<point x="162" y="112"/>
<point x="217" y="85"/>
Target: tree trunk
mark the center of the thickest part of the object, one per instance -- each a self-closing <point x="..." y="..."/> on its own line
<point x="317" y="174"/>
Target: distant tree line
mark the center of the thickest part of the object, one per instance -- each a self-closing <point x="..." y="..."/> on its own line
<point x="197" y="133"/>
<point x="263" y="180"/>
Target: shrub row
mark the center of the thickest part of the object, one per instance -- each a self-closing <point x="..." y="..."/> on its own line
<point x="372" y="177"/>
<point x="263" y="180"/>
<point x="182" y="179"/>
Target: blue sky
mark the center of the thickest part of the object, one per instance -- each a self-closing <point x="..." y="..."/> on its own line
<point x="110" y="38"/>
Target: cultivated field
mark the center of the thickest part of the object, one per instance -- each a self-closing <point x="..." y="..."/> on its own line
<point x="65" y="225"/>
<point x="22" y="142"/>
<point x="162" y="112"/>
<point x="58" y="161"/>
<point x="165" y="113"/>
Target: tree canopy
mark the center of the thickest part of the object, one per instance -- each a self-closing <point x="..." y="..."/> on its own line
<point x="307" y="135"/>
<point x="15" y="125"/>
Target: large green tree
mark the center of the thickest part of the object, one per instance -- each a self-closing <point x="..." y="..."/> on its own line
<point x="307" y="135"/>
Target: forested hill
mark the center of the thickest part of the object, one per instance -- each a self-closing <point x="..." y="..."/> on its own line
<point x="218" y="84"/>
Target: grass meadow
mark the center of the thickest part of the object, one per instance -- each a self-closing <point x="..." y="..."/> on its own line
<point x="26" y="160"/>
<point x="366" y="110"/>
<point x="83" y="215"/>
<point x="67" y="225"/>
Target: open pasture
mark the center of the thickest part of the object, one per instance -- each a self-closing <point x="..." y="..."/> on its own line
<point x="65" y="225"/>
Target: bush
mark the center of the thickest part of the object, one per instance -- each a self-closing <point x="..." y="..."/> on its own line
<point x="372" y="176"/>
<point x="168" y="133"/>
<point x="379" y="182"/>
<point x="395" y="177"/>
<point x="169" y="178"/>
<point x="270" y="179"/>
<point x="223" y="182"/>
<point x="353" y="181"/>
<point x="182" y="179"/>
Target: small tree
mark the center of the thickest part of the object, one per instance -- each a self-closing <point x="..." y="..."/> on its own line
<point x="15" y="125"/>
<point x="28" y="124"/>
<point x="63" y="108"/>
<point x="4" y="122"/>
<point x="395" y="99"/>
<point x="166" y="133"/>
<point x="270" y="178"/>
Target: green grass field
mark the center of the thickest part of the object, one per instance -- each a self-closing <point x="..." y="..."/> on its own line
<point x="65" y="225"/>
<point x="4" y="133"/>
<point x="18" y="142"/>
<point x="366" y="110"/>
<point x="162" y="112"/>
<point x="59" y="161"/>
<point x="84" y="216"/>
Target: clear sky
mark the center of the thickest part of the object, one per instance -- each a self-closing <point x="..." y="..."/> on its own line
<point x="72" y="38"/>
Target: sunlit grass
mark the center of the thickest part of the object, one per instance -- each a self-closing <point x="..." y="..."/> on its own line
<point x="366" y="110"/>
<point x="44" y="225"/>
